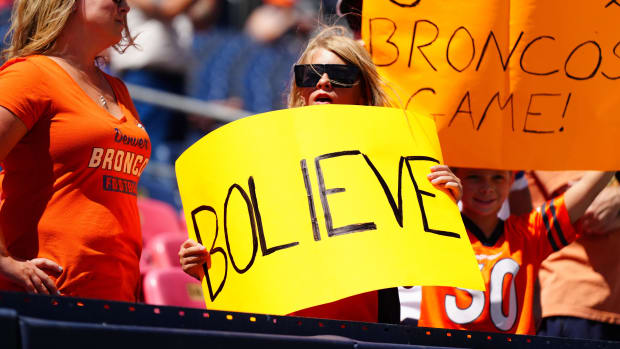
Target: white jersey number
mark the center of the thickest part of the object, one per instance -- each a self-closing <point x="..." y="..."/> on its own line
<point x="474" y="310"/>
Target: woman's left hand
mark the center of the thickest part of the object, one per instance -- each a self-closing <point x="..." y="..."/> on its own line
<point x="443" y="179"/>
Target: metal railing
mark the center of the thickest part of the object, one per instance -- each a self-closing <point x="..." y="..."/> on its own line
<point x="186" y="104"/>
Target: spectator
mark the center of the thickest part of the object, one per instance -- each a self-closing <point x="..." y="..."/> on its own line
<point x="336" y="69"/>
<point x="580" y="284"/>
<point x="509" y="253"/>
<point x="72" y="148"/>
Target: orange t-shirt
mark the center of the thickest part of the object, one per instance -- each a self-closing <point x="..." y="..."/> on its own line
<point x="509" y="262"/>
<point x="583" y="279"/>
<point x="70" y="184"/>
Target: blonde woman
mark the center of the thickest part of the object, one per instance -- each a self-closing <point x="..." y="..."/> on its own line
<point x="72" y="149"/>
<point x="336" y="69"/>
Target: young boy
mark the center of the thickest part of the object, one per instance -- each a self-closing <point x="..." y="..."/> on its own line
<point x="509" y="253"/>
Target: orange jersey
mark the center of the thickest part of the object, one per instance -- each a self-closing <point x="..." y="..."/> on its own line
<point x="70" y="184"/>
<point x="509" y="262"/>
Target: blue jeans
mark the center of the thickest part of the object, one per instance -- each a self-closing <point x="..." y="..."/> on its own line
<point x="572" y="327"/>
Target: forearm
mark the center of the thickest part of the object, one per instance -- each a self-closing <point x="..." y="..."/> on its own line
<point x="578" y="197"/>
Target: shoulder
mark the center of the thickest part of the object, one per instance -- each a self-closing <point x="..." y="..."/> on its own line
<point x="24" y="65"/>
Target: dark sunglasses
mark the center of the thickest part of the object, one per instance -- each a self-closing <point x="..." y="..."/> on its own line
<point x="340" y="75"/>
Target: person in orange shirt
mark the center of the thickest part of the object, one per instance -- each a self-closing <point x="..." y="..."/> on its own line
<point x="509" y="253"/>
<point x="336" y="69"/>
<point x="72" y="149"/>
<point x="580" y="284"/>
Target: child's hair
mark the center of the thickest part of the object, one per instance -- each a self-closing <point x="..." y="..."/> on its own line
<point x="338" y="40"/>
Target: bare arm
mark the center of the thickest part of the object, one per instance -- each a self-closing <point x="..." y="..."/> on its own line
<point x="581" y="194"/>
<point x="12" y="130"/>
<point x="603" y="215"/>
<point x="27" y="274"/>
<point x="162" y="9"/>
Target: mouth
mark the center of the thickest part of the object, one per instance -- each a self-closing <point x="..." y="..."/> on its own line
<point x="484" y="202"/>
<point x="322" y="99"/>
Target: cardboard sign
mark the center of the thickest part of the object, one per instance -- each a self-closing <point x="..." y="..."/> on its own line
<point x="306" y="206"/>
<point x="511" y="84"/>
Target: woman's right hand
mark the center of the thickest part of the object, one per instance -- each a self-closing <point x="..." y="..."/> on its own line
<point x="192" y="256"/>
<point x="30" y="274"/>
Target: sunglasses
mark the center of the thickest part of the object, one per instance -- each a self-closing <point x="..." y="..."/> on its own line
<point x="340" y="75"/>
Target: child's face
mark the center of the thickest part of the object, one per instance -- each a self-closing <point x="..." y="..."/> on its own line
<point x="484" y="191"/>
<point x="324" y="92"/>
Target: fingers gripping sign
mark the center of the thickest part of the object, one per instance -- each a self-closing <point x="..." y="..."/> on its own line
<point x="443" y="179"/>
<point x="192" y="257"/>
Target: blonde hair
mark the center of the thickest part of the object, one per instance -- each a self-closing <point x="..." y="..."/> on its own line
<point x="338" y="40"/>
<point x="36" y="25"/>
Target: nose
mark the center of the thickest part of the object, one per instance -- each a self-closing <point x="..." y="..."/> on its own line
<point x="324" y="82"/>
<point x="486" y="186"/>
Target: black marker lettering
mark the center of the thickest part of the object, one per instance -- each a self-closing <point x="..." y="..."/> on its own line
<point x="401" y="3"/>
<point x="416" y="93"/>
<point x="415" y="28"/>
<point x="617" y="55"/>
<point x="527" y="47"/>
<point x="331" y="231"/>
<point x="530" y="112"/>
<point x="565" y="108"/>
<point x="499" y="51"/>
<point x="313" y="220"/>
<point x="598" y="63"/>
<point x="612" y="2"/>
<point x="464" y="111"/>
<point x="419" y="194"/>
<point x="259" y="223"/>
<point x="252" y="222"/>
<point x="387" y="41"/>
<point x="501" y="107"/>
<point x="473" y="49"/>
<point x="212" y="250"/>
<point x="397" y="208"/>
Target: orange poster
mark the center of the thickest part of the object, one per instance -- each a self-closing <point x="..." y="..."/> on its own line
<point x="511" y="84"/>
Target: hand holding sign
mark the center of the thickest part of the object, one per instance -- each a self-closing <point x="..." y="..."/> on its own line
<point x="291" y="204"/>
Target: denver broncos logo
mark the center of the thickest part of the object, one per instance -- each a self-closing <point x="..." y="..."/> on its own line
<point x="403" y="3"/>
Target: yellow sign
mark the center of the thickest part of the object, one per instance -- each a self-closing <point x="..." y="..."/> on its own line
<point x="306" y="206"/>
<point x="522" y="84"/>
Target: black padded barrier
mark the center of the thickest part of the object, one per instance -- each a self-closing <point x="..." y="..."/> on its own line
<point x="101" y="323"/>
<point x="9" y="337"/>
<point x="39" y="333"/>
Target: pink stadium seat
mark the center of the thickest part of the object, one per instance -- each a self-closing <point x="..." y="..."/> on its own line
<point x="157" y="217"/>
<point x="162" y="250"/>
<point x="171" y="286"/>
<point x="182" y="221"/>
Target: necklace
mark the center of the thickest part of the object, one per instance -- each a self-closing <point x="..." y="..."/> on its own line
<point x="103" y="102"/>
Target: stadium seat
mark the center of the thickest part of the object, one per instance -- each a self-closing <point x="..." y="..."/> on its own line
<point x="182" y="221"/>
<point x="157" y="217"/>
<point x="162" y="251"/>
<point x="171" y="286"/>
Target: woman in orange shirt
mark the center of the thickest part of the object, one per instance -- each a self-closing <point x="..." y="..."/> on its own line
<point x="72" y="149"/>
